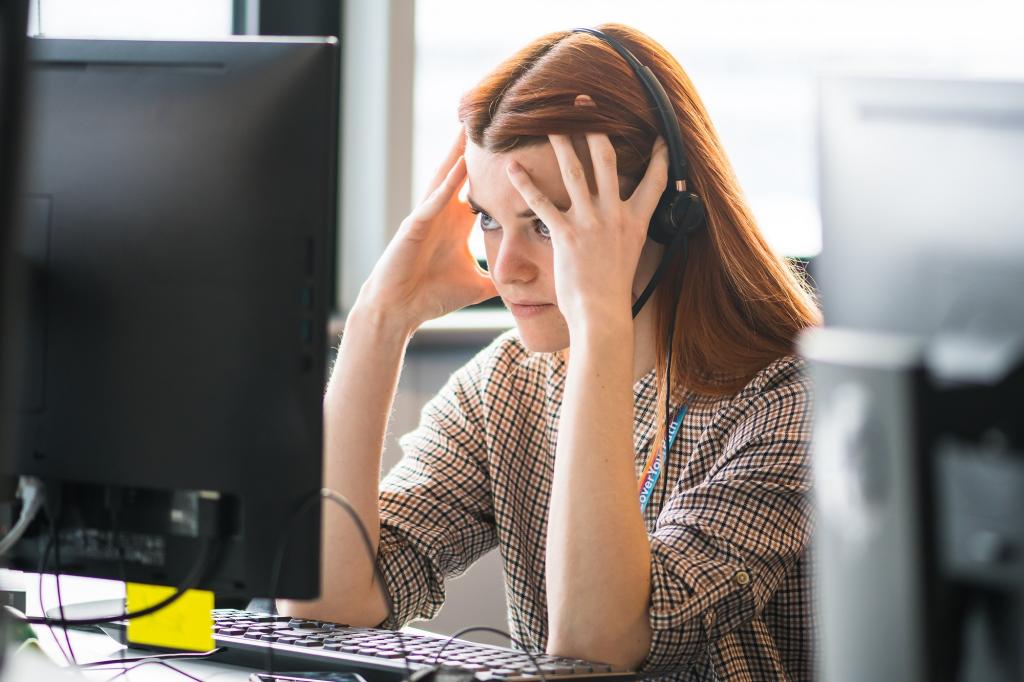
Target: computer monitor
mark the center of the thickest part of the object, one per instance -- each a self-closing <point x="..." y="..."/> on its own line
<point x="178" y="220"/>
<point x="13" y="25"/>
<point x="921" y="205"/>
<point x="919" y="381"/>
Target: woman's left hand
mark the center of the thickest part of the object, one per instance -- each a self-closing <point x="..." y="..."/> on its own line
<point x="597" y="242"/>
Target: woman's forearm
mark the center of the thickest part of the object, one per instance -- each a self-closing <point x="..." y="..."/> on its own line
<point x="357" y="403"/>
<point x="598" y="555"/>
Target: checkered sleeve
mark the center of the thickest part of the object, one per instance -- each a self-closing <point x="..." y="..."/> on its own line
<point x="721" y="549"/>
<point x="435" y="505"/>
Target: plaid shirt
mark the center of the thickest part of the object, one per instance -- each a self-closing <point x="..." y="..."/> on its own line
<point x="729" y="569"/>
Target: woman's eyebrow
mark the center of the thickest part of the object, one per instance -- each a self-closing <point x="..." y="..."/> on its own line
<point x="476" y="207"/>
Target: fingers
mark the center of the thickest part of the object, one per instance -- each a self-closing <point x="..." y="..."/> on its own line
<point x="534" y="198"/>
<point x="444" y="192"/>
<point x="602" y="156"/>
<point x="652" y="186"/>
<point x="606" y="172"/>
<point x="573" y="175"/>
<point x="454" y="152"/>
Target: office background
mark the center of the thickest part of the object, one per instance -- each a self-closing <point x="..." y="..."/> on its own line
<point x="405" y="63"/>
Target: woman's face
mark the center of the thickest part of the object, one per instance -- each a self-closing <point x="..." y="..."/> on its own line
<point x="518" y="245"/>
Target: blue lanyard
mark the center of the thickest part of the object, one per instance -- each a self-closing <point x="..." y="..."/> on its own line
<point x="652" y="472"/>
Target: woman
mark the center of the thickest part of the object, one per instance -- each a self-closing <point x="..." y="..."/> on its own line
<point x="536" y="445"/>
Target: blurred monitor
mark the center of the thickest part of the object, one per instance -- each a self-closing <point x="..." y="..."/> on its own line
<point x="177" y="226"/>
<point x="922" y="205"/>
<point x="919" y="381"/>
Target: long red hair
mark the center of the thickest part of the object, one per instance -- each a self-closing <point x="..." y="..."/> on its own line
<point x="742" y="304"/>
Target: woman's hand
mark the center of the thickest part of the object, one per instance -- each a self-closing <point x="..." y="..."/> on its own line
<point x="597" y="242"/>
<point x="427" y="270"/>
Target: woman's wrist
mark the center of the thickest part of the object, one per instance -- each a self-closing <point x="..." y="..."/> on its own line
<point x="600" y="326"/>
<point x="381" y="321"/>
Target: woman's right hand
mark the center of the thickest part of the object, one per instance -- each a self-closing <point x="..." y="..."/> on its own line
<point x="427" y="270"/>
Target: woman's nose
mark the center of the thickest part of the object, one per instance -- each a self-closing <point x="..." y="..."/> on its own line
<point x="513" y="262"/>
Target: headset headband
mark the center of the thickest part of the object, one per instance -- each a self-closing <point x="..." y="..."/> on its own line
<point x="659" y="98"/>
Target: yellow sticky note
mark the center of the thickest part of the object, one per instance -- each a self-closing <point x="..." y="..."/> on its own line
<point x="186" y="623"/>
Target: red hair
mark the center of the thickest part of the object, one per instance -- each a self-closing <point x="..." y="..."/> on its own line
<point x="742" y="305"/>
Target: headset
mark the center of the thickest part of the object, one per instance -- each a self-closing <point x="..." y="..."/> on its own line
<point x="679" y="213"/>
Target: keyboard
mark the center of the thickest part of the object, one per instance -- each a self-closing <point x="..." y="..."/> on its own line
<point x="307" y="645"/>
<point x="315" y="645"/>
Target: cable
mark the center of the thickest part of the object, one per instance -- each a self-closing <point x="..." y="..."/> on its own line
<point x="55" y="532"/>
<point x="282" y="545"/>
<point x="32" y="494"/>
<point x="198" y="572"/>
<point x="42" y="608"/>
<point x="486" y="628"/>
<point x="340" y="500"/>
<point x="668" y="369"/>
<point x="190" y="655"/>
<point x="158" y="662"/>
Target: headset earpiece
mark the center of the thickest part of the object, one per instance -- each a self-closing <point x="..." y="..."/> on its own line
<point x="676" y="212"/>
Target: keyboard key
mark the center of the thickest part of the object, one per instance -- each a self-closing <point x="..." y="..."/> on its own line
<point x="337" y="646"/>
<point x="304" y="624"/>
<point x="309" y="643"/>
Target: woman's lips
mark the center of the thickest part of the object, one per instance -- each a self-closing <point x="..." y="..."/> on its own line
<point x="529" y="309"/>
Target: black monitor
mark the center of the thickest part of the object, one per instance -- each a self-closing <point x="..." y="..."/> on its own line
<point x="13" y="25"/>
<point x="178" y="220"/>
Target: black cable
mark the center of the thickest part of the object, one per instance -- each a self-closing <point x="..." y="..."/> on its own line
<point x="282" y="546"/>
<point x="158" y="662"/>
<point x="42" y="608"/>
<point x="55" y="530"/>
<point x="189" y="655"/>
<point x="487" y="628"/>
<point x="340" y="500"/>
<point x="196" y="575"/>
<point x="677" y="295"/>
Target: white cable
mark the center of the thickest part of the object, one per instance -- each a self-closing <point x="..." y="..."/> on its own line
<point x="30" y="490"/>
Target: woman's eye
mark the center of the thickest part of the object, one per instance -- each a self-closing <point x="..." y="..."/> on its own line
<point x="542" y="229"/>
<point x="487" y="222"/>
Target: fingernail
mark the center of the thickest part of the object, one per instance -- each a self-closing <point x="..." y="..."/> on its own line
<point x="513" y="167"/>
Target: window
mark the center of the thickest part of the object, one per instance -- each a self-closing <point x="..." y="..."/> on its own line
<point x="130" y="18"/>
<point x="755" y="65"/>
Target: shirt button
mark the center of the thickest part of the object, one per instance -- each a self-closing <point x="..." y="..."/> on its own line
<point x="742" y="578"/>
